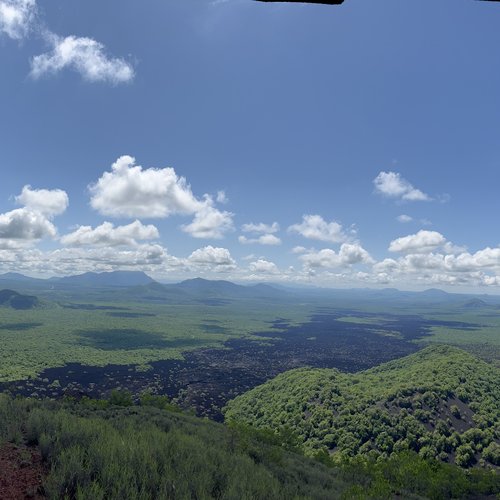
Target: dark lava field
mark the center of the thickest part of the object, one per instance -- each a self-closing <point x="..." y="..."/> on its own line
<point x="207" y="378"/>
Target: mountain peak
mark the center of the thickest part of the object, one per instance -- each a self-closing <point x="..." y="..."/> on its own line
<point x="110" y="278"/>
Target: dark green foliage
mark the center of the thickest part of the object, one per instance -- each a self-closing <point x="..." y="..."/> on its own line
<point x="440" y="402"/>
<point x="411" y="476"/>
<point x="111" y="339"/>
<point x="121" y="398"/>
<point x="139" y="452"/>
<point x="492" y="453"/>
<point x="100" y="451"/>
<point x="160" y="402"/>
<point x="13" y="299"/>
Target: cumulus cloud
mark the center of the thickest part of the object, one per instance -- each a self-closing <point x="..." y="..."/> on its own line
<point x="147" y="257"/>
<point x="262" y="266"/>
<point x="316" y="228"/>
<point x="393" y="185"/>
<point x="465" y="261"/>
<point x="261" y="228"/>
<point x="265" y="239"/>
<point x="16" y="17"/>
<point x="108" y="234"/>
<point x="209" y="222"/>
<point x="421" y="242"/>
<point x="264" y="234"/>
<point x="348" y="255"/>
<point x="25" y="224"/>
<point x="48" y="202"/>
<point x="32" y="222"/>
<point x="213" y="257"/>
<point x="130" y="190"/>
<point x="84" y="55"/>
<point x="447" y="265"/>
<point x="153" y="259"/>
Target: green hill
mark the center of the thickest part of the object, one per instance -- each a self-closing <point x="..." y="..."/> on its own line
<point x="441" y="402"/>
<point x="10" y="298"/>
<point x="115" y="450"/>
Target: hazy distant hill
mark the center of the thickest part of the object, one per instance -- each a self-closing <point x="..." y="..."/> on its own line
<point x="199" y="290"/>
<point x="111" y="279"/>
<point x="227" y="289"/>
<point x="475" y="304"/>
<point x="139" y="286"/>
<point x="15" y="277"/>
<point x="10" y="298"/>
<point x="441" y="402"/>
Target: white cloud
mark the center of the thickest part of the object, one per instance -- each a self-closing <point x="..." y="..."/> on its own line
<point x="299" y="249"/>
<point x="451" y="265"/>
<point x="48" y="202"/>
<point x="84" y="55"/>
<point x="265" y="239"/>
<point x="25" y="224"/>
<point x="316" y="228"/>
<point x="33" y="221"/>
<point x="261" y="228"/>
<point x="348" y="255"/>
<point x="465" y="261"/>
<point x="130" y="190"/>
<point x="265" y="234"/>
<point x="392" y="185"/>
<point x="108" y="234"/>
<point x="263" y="266"/>
<point x="16" y="17"/>
<point x="212" y="257"/>
<point x="421" y="242"/>
<point x="221" y="197"/>
<point x="209" y="222"/>
<point x="148" y="258"/>
<point x="404" y="218"/>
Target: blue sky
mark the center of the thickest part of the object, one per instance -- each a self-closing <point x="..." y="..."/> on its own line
<point x="252" y="141"/>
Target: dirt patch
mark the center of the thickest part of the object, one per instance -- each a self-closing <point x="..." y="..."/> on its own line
<point x="21" y="473"/>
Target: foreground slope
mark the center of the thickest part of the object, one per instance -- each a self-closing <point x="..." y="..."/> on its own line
<point x="441" y="402"/>
<point x="114" y="450"/>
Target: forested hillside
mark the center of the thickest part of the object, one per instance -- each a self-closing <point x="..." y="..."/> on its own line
<point x="11" y="298"/>
<point x="115" y="450"/>
<point x="440" y="402"/>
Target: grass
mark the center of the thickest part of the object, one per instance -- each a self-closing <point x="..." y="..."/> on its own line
<point x="35" y="339"/>
<point x="100" y="329"/>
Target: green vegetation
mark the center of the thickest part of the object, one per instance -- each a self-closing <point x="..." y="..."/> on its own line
<point x="113" y="450"/>
<point x="10" y="298"/>
<point x="441" y="402"/>
<point x="137" y="325"/>
<point x="84" y="332"/>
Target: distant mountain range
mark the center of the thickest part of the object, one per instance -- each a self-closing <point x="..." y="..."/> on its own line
<point x="137" y="285"/>
<point x="113" y="278"/>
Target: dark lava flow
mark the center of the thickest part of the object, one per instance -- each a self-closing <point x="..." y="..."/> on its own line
<point x="207" y="378"/>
